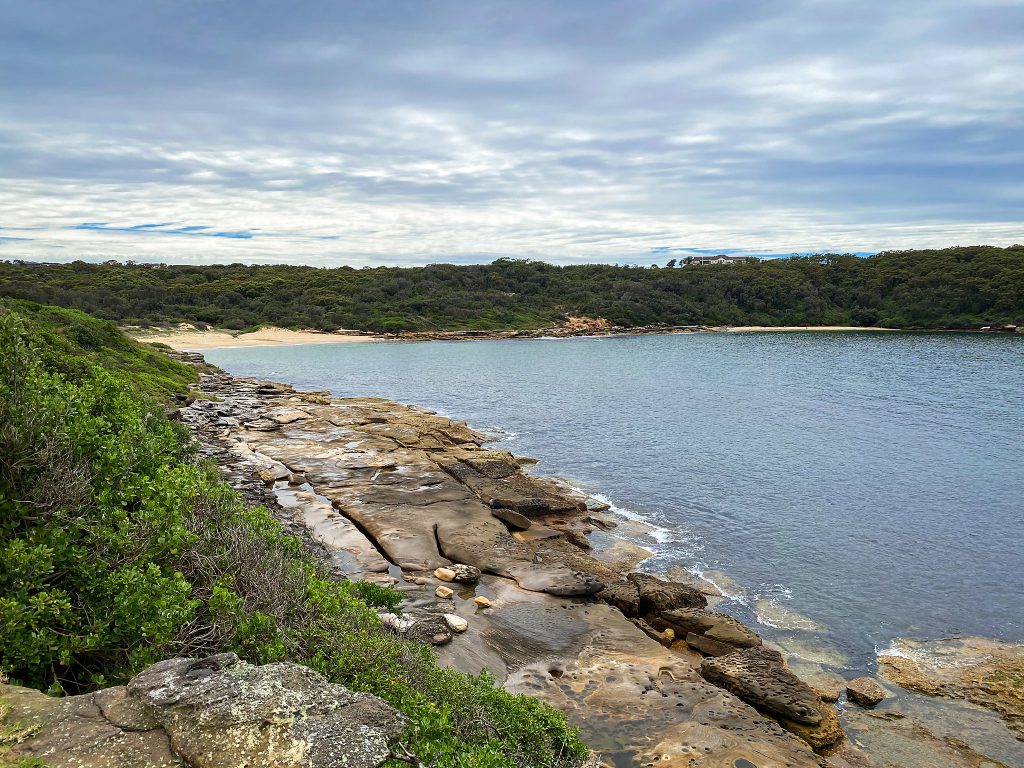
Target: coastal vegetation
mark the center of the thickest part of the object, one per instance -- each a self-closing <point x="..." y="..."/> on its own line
<point x="119" y="547"/>
<point x="963" y="287"/>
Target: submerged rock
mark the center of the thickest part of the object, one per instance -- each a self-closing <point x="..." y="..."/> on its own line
<point x="985" y="672"/>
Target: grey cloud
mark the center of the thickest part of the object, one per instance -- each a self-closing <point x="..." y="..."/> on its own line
<point x="570" y="130"/>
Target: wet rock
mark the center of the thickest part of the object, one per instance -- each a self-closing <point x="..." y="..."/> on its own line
<point x="512" y="518"/>
<point x="624" y="596"/>
<point x="760" y="677"/>
<point x="482" y="602"/>
<point x="865" y="692"/>
<point x="657" y="596"/>
<point x="444" y="592"/>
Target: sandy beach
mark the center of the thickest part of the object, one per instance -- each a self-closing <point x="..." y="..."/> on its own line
<point x="196" y="339"/>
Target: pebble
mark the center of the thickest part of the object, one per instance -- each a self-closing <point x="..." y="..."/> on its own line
<point x="444" y="574"/>
<point x="456" y="623"/>
<point x="444" y="592"/>
<point x="482" y="601"/>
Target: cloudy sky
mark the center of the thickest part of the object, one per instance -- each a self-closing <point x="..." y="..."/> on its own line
<point x="582" y="130"/>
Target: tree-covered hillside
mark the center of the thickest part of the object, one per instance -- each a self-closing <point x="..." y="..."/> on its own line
<point x="952" y="288"/>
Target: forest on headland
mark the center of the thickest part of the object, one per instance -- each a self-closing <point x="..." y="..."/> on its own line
<point x="962" y="287"/>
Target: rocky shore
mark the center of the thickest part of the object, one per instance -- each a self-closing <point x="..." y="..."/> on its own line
<point x="498" y="572"/>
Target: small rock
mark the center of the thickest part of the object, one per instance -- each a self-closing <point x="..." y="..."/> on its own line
<point x="445" y="574"/>
<point x="294" y="478"/>
<point x="482" y="601"/>
<point x="421" y="580"/>
<point x="456" y="623"/>
<point x="444" y="592"/>
<point x="865" y="692"/>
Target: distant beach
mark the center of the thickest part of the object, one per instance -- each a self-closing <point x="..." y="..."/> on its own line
<point x="198" y="339"/>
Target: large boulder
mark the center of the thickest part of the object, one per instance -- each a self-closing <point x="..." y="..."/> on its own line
<point x="760" y="677"/>
<point x="657" y="595"/>
<point x="220" y="712"/>
<point x="217" y="712"/>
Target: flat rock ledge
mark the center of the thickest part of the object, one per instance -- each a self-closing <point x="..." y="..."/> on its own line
<point x="217" y="712"/>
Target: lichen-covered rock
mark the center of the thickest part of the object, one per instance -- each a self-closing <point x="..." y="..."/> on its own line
<point x="657" y="595"/>
<point x="217" y="712"/>
<point x="465" y="574"/>
<point x="220" y="712"/>
<point x="865" y="692"/>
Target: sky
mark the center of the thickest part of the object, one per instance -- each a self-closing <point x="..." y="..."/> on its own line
<point x="362" y="133"/>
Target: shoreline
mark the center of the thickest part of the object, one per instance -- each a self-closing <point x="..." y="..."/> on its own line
<point x="583" y="641"/>
<point x="194" y="339"/>
<point x="391" y="492"/>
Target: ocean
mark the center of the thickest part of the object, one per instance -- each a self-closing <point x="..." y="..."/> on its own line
<point x="842" y="489"/>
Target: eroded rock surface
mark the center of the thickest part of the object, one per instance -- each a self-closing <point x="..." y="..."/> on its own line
<point x="759" y="676"/>
<point x="217" y="712"/>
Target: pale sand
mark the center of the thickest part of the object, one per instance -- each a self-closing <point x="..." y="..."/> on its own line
<point x="195" y="339"/>
<point x="265" y="337"/>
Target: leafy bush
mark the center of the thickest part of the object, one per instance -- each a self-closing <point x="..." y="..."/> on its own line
<point x="117" y="549"/>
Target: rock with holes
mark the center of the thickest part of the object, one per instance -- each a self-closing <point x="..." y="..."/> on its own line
<point x="657" y="595"/>
<point x="624" y="596"/>
<point x="713" y="634"/>
<point x="760" y="676"/>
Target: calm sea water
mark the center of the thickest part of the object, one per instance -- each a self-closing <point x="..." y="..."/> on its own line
<point x="873" y="483"/>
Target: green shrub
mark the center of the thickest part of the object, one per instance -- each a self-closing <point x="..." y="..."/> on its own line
<point x="118" y="549"/>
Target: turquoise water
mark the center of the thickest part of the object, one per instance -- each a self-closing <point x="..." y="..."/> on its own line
<point x="871" y="482"/>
